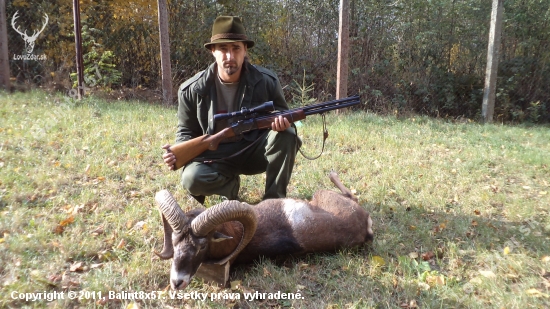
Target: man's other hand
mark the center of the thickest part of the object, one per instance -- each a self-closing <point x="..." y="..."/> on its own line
<point x="169" y="157"/>
<point x="279" y="124"/>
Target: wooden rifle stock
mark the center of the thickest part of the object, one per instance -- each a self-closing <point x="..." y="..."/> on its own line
<point x="188" y="150"/>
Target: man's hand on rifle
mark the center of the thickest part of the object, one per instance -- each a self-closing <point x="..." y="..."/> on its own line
<point x="280" y="124"/>
<point x="169" y="157"/>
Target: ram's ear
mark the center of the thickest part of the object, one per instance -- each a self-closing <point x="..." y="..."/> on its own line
<point x="219" y="237"/>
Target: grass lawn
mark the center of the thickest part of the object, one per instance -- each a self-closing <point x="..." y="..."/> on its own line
<point x="460" y="211"/>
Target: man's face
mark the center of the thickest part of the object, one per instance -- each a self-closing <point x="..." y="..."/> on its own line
<point x="230" y="58"/>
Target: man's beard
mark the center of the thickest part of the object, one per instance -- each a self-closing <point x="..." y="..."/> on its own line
<point x="231" y="69"/>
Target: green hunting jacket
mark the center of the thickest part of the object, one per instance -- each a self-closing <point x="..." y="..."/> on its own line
<point x="197" y="99"/>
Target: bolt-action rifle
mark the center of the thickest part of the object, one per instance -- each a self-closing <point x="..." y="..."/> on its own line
<point x="247" y="120"/>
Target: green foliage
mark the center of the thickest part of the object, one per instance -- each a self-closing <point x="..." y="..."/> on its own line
<point x="420" y="56"/>
<point x="301" y="93"/>
<point x="102" y="67"/>
<point x="99" y="69"/>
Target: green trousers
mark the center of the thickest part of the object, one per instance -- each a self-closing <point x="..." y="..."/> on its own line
<point x="273" y="154"/>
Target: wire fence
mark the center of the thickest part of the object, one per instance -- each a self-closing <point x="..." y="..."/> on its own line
<point x="27" y="46"/>
<point x="416" y="56"/>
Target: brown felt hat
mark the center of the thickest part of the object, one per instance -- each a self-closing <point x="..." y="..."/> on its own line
<point x="227" y="29"/>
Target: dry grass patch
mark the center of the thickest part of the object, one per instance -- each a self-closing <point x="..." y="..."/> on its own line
<point x="460" y="210"/>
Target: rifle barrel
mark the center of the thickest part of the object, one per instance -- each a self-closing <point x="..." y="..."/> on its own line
<point x="324" y="108"/>
<point x="299" y="113"/>
<point x="333" y="102"/>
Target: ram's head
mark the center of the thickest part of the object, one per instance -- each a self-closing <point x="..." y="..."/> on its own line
<point x="188" y="236"/>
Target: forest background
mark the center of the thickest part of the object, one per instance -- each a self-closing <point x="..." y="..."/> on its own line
<point x="419" y="56"/>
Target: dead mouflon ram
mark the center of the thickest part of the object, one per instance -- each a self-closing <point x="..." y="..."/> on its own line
<point x="237" y="232"/>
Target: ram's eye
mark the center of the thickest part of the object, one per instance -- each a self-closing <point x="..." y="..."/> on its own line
<point x="202" y="246"/>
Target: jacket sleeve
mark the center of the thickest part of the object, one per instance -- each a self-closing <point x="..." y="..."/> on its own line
<point x="188" y="123"/>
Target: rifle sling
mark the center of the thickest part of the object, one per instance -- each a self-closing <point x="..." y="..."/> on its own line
<point x="325" y="136"/>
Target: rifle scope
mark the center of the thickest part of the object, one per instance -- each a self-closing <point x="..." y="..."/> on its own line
<point x="265" y="107"/>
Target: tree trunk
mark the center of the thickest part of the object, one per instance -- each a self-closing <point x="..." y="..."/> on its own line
<point x="4" y="61"/>
<point x="343" y="51"/>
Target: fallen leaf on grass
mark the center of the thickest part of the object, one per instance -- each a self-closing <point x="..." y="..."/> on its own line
<point x="61" y="226"/>
<point x="132" y="306"/>
<point x="435" y="280"/>
<point x="413" y="255"/>
<point x="98" y="231"/>
<point x="129" y="224"/>
<point x="266" y="272"/>
<point x="78" y="266"/>
<point x="487" y="274"/>
<point x="140" y="225"/>
<point x="235" y="285"/>
<point x="73" y="210"/>
<point x="512" y="277"/>
<point x="106" y="256"/>
<point x="378" y="261"/>
<point x="428" y="256"/>
<point x="37" y="276"/>
<point x="121" y="244"/>
<point x="129" y="178"/>
<point x="411" y="305"/>
<point x="536" y="293"/>
<point x="67" y="221"/>
<point x="54" y="279"/>
<point x="506" y="250"/>
<point x="440" y="252"/>
<point x="303" y="266"/>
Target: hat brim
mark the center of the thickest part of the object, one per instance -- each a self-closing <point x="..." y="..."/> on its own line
<point x="248" y="43"/>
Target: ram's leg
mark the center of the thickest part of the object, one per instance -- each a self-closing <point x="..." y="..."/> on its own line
<point x="345" y="191"/>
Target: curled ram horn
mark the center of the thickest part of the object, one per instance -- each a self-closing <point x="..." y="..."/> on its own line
<point x="225" y="212"/>
<point x="173" y="220"/>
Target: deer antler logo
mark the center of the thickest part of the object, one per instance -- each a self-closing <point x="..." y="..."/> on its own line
<point x="29" y="40"/>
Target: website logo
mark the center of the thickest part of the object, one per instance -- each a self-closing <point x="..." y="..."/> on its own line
<point x="29" y="40"/>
